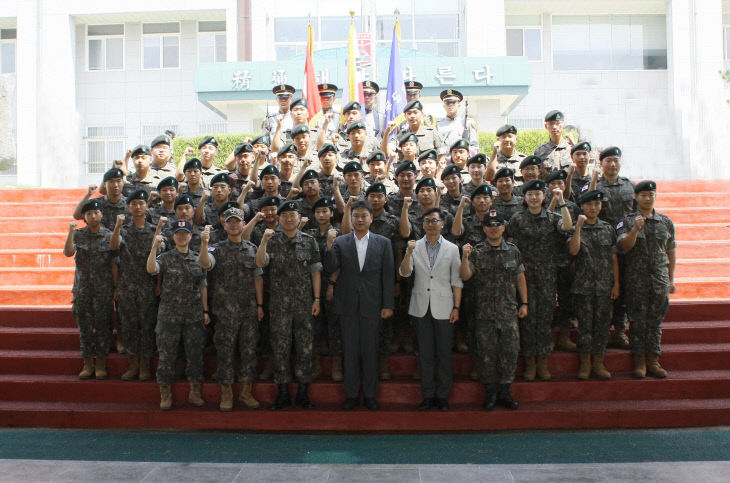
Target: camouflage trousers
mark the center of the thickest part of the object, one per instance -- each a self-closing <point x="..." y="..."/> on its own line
<point x="646" y="311"/>
<point x="236" y="331"/>
<point x="284" y="325"/>
<point x="137" y="315"/>
<point x="334" y="330"/>
<point x="498" y="349"/>
<point x="594" y="322"/>
<point x="536" y="328"/>
<point x="566" y="309"/>
<point x="467" y="320"/>
<point x="93" y="315"/>
<point x="618" y="319"/>
<point x="264" y="344"/>
<point x="168" y="342"/>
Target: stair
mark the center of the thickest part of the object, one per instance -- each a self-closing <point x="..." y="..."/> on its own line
<point x="39" y="358"/>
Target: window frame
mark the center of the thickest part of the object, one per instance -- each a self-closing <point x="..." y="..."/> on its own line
<point x="161" y="36"/>
<point x="104" y="38"/>
<point x="539" y="28"/>
<point x="213" y="33"/>
<point x="726" y="42"/>
<point x="14" y="42"/>
<point x="121" y="138"/>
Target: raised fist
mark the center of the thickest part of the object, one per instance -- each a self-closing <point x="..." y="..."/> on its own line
<point x="154" y="195"/>
<point x="205" y="236"/>
<point x="92" y="188"/>
<point x="158" y="240"/>
<point x="581" y="219"/>
<point x="72" y="226"/>
<point x="258" y="217"/>
<point x="268" y="233"/>
<point x="295" y="192"/>
<point x="466" y="250"/>
<point x="495" y="147"/>
<point x="279" y="119"/>
<point x="465" y="200"/>
<point x="558" y="194"/>
<point x="206" y="194"/>
<point x="411" y="246"/>
<point x="329" y="117"/>
<point x="189" y="150"/>
<point x="338" y="179"/>
<point x="389" y="127"/>
<point x="639" y="222"/>
<point x="407" y="201"/>
<point x="120" y="219"/>
<point x="331" y="235"/>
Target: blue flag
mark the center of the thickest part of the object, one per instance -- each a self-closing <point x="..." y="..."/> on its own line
<point x="395" y="99"/>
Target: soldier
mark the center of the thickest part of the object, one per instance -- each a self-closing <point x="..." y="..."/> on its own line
<point x="578" y="174"/>
<point x="135" y="293"/>
<point x="208" y="148"/>
<point x="428" y="165"/>
<point x="428" y="137"/>
<point x="530" y="168"/>
<point x="360" y="148"/>
<point x="113" y="203"/>
<point x="162" y="164"/>
<point x="453" y="127"/>
<point x="270" y="187"/>
<point x="298" y="112"/>
<point x="477" y="166"/>
<point x="236" y="302"/>
<point x="305" y="206"/>
<point x="284" y="94"/>
<point x="244" y="170"/>
<point x="183" y="211"/>
<point x="507" y="202"/>
<point x="451" y="180"/>
<point x="143" y="177"/>
<point x="195" y="187"/>
<point x="167" y="191"/>
<point x="537" y="233"/>
<point x="413" y="92"/>
<point x="408" y="146"/>
<point x="596" y="284"/>
<point x="206" y="213"/>
<point x="459" y="153"/>
<point x="327" y="94"/>
<point x="93" y="288"/>
<point x="555" y="154"/>
<point x="182" y="314"/>
<point x="353" y="185"/>
<point x="647" y="239"/>
<point x="372" y="117"/>
<point x="288" y="158"/>
<point x="505" y="154"/>
<point x="295" y="269"/>
<point x="379" y="171"/>
<point x="405" y="176"/>
<point x="411" y="227"/>
<point x="495" y="266"/>
<point x="328" y="159"/>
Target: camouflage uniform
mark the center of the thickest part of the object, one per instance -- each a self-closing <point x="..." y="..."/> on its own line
<point x="497" y="335"/>
<point x="537" y="237"/>
<point x="206" y="174"/>
<point x="388" y="225"/>
<point x="428" y="138"/>
<point x="325" y="185"/>
<point x="395" y="203"/>
<point x="196" y="195"/>
<point x="512" y="162"/>
<point x="210" y="211"/>
<point x="180" y="315"/>
<point x="508" y="208"/>
<point x="264" y="346"/>
<point x="194" y="240"/>
<point x="306" y="210"/>
<point x="133" y="183"/>
<point x="577" y="184"/>
<point x="474" y="235"/>
<point x="160" y="173"/>
<point x="93" y="290"/>
<point x="647" y="280"/>
<point x="292" y="262"/>
<point x="554" y="156"/>
<point x="449" y="203"/>
<point x="109" y="211"/>
<point x="592" y="286"/>
<point x="390" y="186"/>
<point x="326" y="324"/>
<point x="566" y="310"/>
<point x="154" y="213"/>
<point x="232" y="295"/>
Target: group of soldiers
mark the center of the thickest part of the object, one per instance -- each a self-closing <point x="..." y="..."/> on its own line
<point x="189" y="254"/>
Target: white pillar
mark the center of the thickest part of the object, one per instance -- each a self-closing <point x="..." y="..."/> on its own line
<point x="28" y="166"/>
<point x="485" y="32"/>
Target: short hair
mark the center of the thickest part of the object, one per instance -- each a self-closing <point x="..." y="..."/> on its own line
<point x="433" y="210"/>
<point x="361" y="204"/>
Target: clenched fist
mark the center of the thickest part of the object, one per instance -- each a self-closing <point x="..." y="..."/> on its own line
<point x="268" y="233"/>
<point x="411" y="246"/>
<point x="466" y="250"/>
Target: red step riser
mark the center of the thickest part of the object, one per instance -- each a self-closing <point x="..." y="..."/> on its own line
<point x="701" y="290"/>
<point x="688" y="268"/>
<point x="702" y="232"/>
<point x="36" y="260"/>
<point x="39" y="195"/>
<point x="37" y="210"/>
<point x="692" y="186"/>
<point x="38" y="277"/>
<point x="666" y="201"/>
<point x="36" y="225"/>
<point x="10" y="241"/>
<point x="36" y="297"/>
<point x="698" y="215"/>
<point x="699" y="249"/>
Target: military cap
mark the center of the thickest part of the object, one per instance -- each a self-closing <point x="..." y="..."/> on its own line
<point x="483" y="189"/>
<point x="92" y="204"/>
<point x="506" y="129"/>
<point x="284" y="90"/>
<point x="327" y="89"/>
<point x="243" y="148"/>
<point x="287" y="206"/>
<point x="351" y="106"/>
<point x="612" y="151"/>
<point x="299" y="129"/>
<point x="161" y="139"/>
<point x="584" y="146"/>
<point x="413" y="86"/>
<point x="480" y="158"/>
<point x="268" y="201"/>
<point x="138" y="195"/>
<point x="269" y="169"/>
<point x="352" y="167"/>
<point x="227" y="205"/>
<point x="376" y="156"/>
<point x="414" y="104"/>
<point x="460" y="144"/>
<point x="425" y="183"/>
<point x="558" y="174"/>
<point x="531" y="160"/>
<point x="183" y="199"/>
<point x="591" y="195"/>
<point x="376" y="188"/>
<point x="182" y="225"/>
<point x="533" y="185"/>
<point x="451" y="95"/>
<point x="168" y="181"/>
<point x="405" y="166"/>
<point x="309" y="174"/>
<point x="645" y="186"/>
<point x="554" y="116"/>
<point x="493" y="218"/>
<point x="140" y="149"/>
<point x="322" y="203"/>
<point x="208" y="140"/>
<point x="370" y="86"/>
<point x="233" y="213"/>
<point x="428" y="154"/>
<point x="221" y="178"/>
<point x="503" y="173"/>
<point x="355" y="125"/>
<point x="192" y="163"/>
<point x="113" y="173"/>
<point x="170" y="133"/>
<point x="449" y="170"/>
<point x="409" y="136"/>
<point x="298" y="102"/>
<point x="326" y="148"/>
<point x="261" y="139"/>
<point x="288" y="148"/>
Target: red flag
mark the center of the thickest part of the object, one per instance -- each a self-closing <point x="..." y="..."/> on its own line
<point x="310" y="90"/>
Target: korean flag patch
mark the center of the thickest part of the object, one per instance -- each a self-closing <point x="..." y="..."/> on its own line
<point x="620" y="224"/>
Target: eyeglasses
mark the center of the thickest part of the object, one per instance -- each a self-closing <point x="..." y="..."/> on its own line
<point x="431" y="221"/>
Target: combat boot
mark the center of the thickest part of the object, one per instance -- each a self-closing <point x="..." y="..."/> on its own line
<point x="619" y="339"/>
<point x="265" y="374"/>
<point x="505" y="397"/>
<point x="194" y="396"/>
<point x="302" y="398"/>
<point x="653" y="368"/>
<point x="165" y="397"/>
<point x="564" y="341"/>
<point x="584" y="372"/>
<point x="226" y="398"/>
<point x="490" y="402"/>
<point x="88" y="369"/>
<point x="337" y="375"/>
<point x="384" y="369"/>
<point x="246" y="397"/>
<point x="100" y="368"/>
<point x="639" y="366"/>
<point x="316" y="368"/>
<point x="530" y="369"/>
<point x="132" y="370"/>
<point x="542" y="368"/>
<point x="599" y="369"/>
<point x="283" y="399"/>
<point x="145" y="369"/>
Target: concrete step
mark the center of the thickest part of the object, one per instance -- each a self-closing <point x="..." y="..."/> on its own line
<point x="35" y="258"/>
<point x="37" y="276"/>
<point x="40" y="195"/>
<point x="38" y="210"/>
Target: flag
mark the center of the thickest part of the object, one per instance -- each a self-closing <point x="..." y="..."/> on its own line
<point x="310" y="92"/>
<point x="395" y="99"/>
<point x="353" y="88"/>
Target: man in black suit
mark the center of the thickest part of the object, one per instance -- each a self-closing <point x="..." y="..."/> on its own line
<point x="363" y="296"/>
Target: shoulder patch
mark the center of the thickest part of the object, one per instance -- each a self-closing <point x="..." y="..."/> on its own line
<point x="211" y="249"/>
<point x="620" y="224"/>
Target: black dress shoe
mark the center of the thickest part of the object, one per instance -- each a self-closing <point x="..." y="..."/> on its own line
<point x="350" y="403"/>
<point x="372" y="404"/>
<point x="490" y="402"/>
<point x="283" y="399"/>
<point x="426" y="404"/>
<point x="443" y="404"/>
<point x="302" y="397"/>
<point x="505" y="397"/>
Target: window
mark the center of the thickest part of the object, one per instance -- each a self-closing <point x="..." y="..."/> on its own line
<point x="212" y="41"/>
<point x="726" y="43"/>
<point x="7" y="50"/>
<point x="161" y="45"/>
<point x="149" y="132"/>
<point x="104" y="144"/>
<point x="609" y="42"/>
<point x="213" y="127"/>
<point x="105" y="47"/>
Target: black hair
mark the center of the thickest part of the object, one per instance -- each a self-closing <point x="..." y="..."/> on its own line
<point x="361" y="204"/>
<point x="433" y="210"/>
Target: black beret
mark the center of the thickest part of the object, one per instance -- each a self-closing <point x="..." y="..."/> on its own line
<point x="310" y="174"/>
<point x="92" y="204"/>
<point x="483" y="189"/>
<point x="168" y="181"/>
<point x="591" y="195"/>
<point x="221" y="178"/>
<point x="531" y="160"/>
<point x="376" y="156"/>
<point x="243" y="148"/>
<point x="507" y="128"/>
<point x="208" y="140"/>
<point x="261" y="139"/>
<point x="558" y="174"/>
<point x="409" y="136"/>
<point x="612" y="151"/>
<point x="355" y="125"/>
<point x="225" y="206"/>
<point x="322" y="203"/>
<point x="414" y="104"/>
<point x="647" y="185"/>
<point x="351" y="106"/>
<point x="449" y="170"/>
<point x="298" y="102"/>
<point x="299" y="129"/>
<point x="451" y="94"/>
<point x="326" y="148"/>
<point x="554" y="116"/>
<point x="113" y="173"/>
<point x="327" y="88"/>
<point x="428" y="154"/>
<point x="533" y="185"/>
<point x="161" y="139"/>
<point x="413" y="86"/>
<point x="170" y="133"/>
<point x="138" y="195"/>
<point x="503" y="173"/>
<point x="493" y="218"/>
<point x="140" y="149"/>
<point x="269" y="201"/>
<point x="376" y="188"/>
<point x="405" y="166"/>
<point x="183" y="199"/>
<point x="480" y="158"/>
<point x="283" y="90"/>
<point x="370" y="86"/>
<point x="460" y="144"/>
<point x="287" y="206"/>
<point x="288" y="148"/>
<point x="192" y="163"/>
<point x="584" y="146"/>
<point x="352" y="167"/>
<point x="269" y="169"/>
<point x="425" y="183"/>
